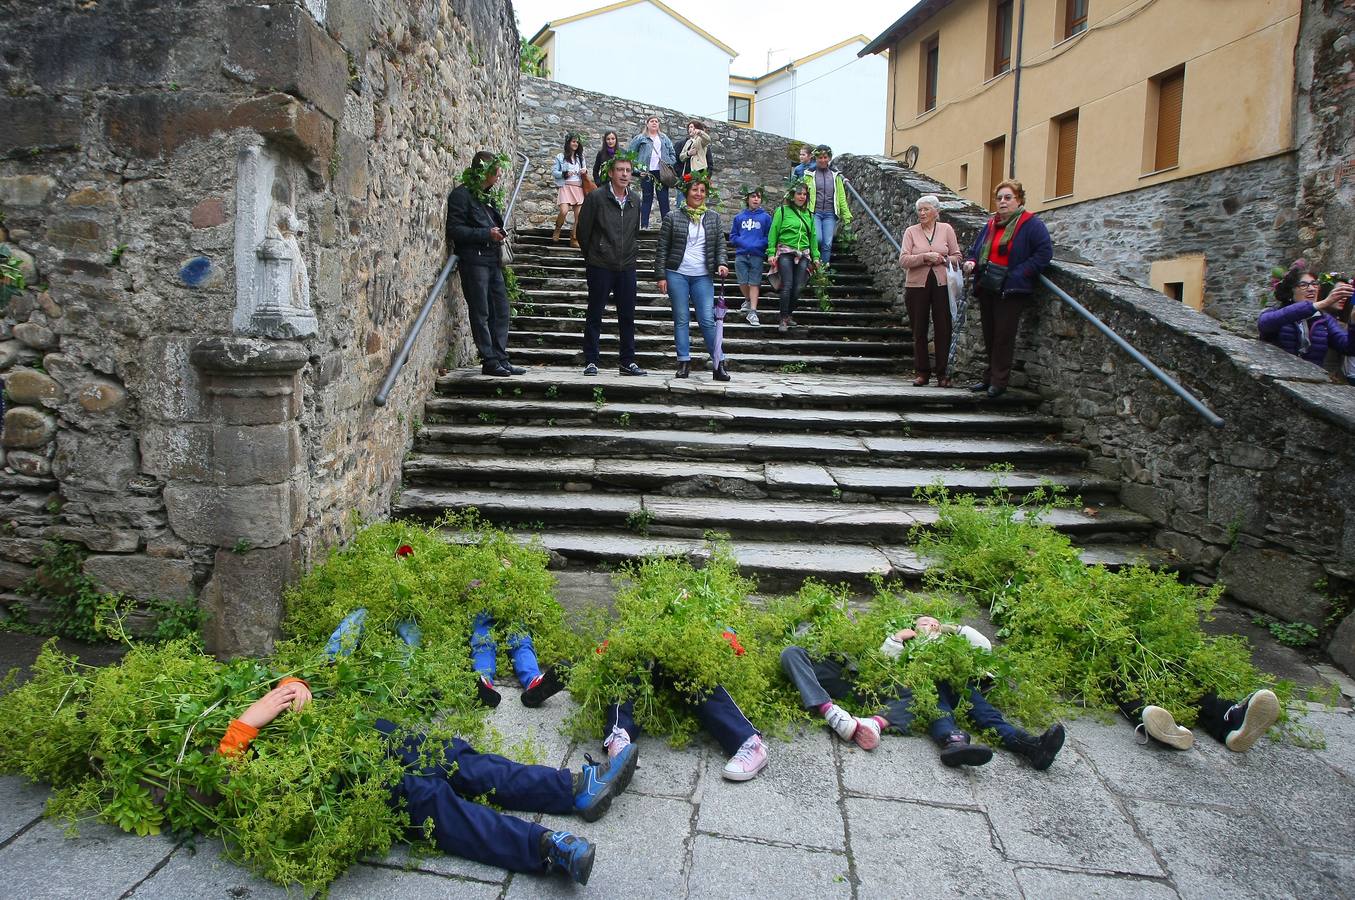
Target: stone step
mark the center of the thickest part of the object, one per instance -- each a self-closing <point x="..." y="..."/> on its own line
<point x="745" y="446"/>
<point x="736" y="342"/>
<point x="803" y="391"/>
<point x="784" y="565"/>
<point x="551" y="268"/>
<point x="658" y="362"/>
<point x="649" y="296"/>
<point x="745" y="480"/>
<point x="651" y="415"/>
<point x="656" y="309"/>
<point x="762" y="518"/>
<point x="735" y="328"/>
<point x="577" y="283"/>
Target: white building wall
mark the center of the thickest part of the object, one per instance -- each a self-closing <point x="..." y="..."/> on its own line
<point x="843" y="108"/>
<point x="642" y="53"/>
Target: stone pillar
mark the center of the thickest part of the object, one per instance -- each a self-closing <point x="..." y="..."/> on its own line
<point x="248" y="496"/>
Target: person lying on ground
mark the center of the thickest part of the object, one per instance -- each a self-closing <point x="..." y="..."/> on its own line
<point x="1235" y="724"/>
<point x="820" y="681"/>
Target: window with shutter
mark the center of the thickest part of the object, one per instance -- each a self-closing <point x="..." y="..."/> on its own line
<point x="996" y="151"/>
<point x="1002" y="37"/>
<point x="1170" y="92"/>
<point x="1066" y="155"/>
<point x="931" y="71"/>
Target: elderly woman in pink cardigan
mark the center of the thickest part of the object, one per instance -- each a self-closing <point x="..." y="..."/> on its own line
<point x="926" y="248"/>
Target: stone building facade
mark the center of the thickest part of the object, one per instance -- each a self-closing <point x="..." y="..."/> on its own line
<point x="1264" y="504"/>
<point x="1326" y="133"/>
<point x="549" y="109"/>
<point x="232" y="213"/>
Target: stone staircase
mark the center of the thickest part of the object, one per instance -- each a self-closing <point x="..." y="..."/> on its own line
<point x="807" y="460"/>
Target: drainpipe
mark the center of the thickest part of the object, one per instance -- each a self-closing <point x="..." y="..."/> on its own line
<point x="1016" y="86"/>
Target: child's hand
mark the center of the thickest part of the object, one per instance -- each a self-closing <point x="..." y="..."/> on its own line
<point x="292" y="695"/>
<point x="907" y="634"/>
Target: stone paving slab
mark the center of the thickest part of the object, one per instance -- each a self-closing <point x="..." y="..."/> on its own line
<point x="363" y="881"/>
<point x="1055" y="884"/>
<point x="102" y="861"/>
<point x="21" y="804"/>
<point x="205" y="873"/>
<point x="726" y="869"/>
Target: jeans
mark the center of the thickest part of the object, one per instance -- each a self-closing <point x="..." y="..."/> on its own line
<point x="825" y="224"/>
<point x="748" y="268"/>
<point x="487" y="305"/>
<point x="620" y="287"/>
<point x="718" y="714"/>
<point x="699" y="290"/>
<point x="647" y="187"/>
<point x="484" y="652"/>
<point x="793" y="278"/>
<point x="441" y="790"/>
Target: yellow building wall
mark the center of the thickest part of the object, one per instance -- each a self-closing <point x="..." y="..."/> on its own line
<point x="1237" y="106"/>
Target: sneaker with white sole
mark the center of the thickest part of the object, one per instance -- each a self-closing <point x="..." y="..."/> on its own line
<point x="746" y="307"/>
<point x="867" y="735"/>
<point x="841" y="721"/>
<point x="1251" y="718"/>
<point x="750" y="759"/>
<point x="1159" y="725"/>
<point x="752" y="318"/>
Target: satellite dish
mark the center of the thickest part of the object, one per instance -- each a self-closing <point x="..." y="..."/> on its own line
<point x="910" y="156"/>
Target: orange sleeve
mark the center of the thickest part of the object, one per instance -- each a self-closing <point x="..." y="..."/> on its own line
<point x="237" y="738"/>
<point x="293" y="680"/>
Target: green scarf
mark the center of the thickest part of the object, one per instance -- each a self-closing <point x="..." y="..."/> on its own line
<point x="1007" y="234"/>
<point x="694" y="212"/>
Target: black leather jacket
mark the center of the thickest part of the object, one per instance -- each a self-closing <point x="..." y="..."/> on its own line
<point x="468" y="225"/>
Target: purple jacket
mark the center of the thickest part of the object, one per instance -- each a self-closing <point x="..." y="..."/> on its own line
<point x="1281" y="327"/>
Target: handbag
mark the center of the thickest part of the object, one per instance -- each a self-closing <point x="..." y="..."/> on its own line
<point x="955" y="288"/>
<point x="505" y="252"/>
<point x="667" y="177"/>
<point x="991" y="279"/>
<point x="588" y="185"/>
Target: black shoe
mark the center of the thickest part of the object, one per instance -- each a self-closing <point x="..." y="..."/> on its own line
<point x="957" y="751"/>
<point x="494" y="369"/>
<point x="632" y="369"/>
<point x="590" y="369"/>
<point x="514" y="370"/>
<point x="1039" y="751"/>
<point x="978" y="388"/>
<point x="485" y="692"/>
<point x="721" y="373"/>
<point x="543" y="687"/>
<point x="684" y="368"/>
<point x="995" y="391"/>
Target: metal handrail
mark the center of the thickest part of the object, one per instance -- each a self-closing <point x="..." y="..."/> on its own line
<point x="450" y="266"/>
<point x="1172" y="384"/>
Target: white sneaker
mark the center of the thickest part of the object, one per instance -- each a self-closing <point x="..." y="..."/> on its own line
<point x="840" y="721"/>
<point x="752" y="318"/>
<point x="617" y="741"/>
<point x="748" y="761"/>
<point x="1257" y="713"/>
<point x="867" y="735"/>
<point x="746" y="307"/>
<point x="1161" y="726"/>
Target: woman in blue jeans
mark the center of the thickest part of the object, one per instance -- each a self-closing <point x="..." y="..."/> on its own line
<point x="691" y="252"/>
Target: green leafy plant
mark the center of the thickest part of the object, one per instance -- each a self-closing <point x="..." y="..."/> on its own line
<point x="624" y="420"/>
<point x="639" y="521"/>
<point x="510" y="283"/>
<point x="820" y="280"/>
<point x="12" y="280"/>
<point x="1292" y="634"/>
<point x="115" y="257"/>
<point x="794" y="368"/>
<point x="599" y="399"/>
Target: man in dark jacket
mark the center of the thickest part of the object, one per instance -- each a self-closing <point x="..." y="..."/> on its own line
<point x="609" y="235"/>
<point x="475" y="231"/>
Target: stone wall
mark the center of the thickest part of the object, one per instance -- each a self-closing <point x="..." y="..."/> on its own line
<point x="1265" y="504"/>
<point x="1242" y="219"/>
<point x="233" y="213"/>
<point x="549" y="109"/>
<point x="1325" y="133"/>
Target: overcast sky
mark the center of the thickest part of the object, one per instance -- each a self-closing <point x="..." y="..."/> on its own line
<point x="788" y="29"/>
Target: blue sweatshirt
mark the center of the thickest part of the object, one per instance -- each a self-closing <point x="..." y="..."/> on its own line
<point x="749" y="232"/>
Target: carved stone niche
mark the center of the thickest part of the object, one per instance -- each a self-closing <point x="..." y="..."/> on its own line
<point x="272" y="282"/>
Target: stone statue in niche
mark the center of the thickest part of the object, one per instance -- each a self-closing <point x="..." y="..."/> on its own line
<point x="272" y="284"/>
<point x="281" y="283"/>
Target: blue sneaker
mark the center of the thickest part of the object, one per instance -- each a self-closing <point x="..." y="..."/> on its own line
<point x="409" y="633"/>
<point x="345" y="638"/>
<point x="570" y="854"/>
<point x="597" y="786"/>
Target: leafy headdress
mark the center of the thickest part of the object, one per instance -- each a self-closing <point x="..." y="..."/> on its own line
<point x="628" y="156"/>
<point x="473" y="177"/>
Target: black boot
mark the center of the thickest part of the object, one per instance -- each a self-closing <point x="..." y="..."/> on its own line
<point x="1039" y="751"/>
<point x="684" y="368"/>
<point x="721" y="374"/>
<point x="956" y="751"/>
<point x="547" y="685"/>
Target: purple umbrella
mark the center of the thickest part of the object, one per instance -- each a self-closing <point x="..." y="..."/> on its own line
<point x="720" y="310"/>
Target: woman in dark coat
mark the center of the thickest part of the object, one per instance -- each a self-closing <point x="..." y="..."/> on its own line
<point x="1008" y="255"/>
<point x="1300" y="322"/>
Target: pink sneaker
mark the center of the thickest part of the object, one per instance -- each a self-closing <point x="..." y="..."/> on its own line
<point x="750" y="759"/>
<point x="867" y="735"/>
<point x="617" y="741"/>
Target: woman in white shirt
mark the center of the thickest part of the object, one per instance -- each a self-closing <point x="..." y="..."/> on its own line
<point x="568" y="173"/>
<point x="654" y="149"/>
<point x="691" y="252"/>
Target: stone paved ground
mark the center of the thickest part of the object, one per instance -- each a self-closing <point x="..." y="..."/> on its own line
<point x="1110" y="819"/>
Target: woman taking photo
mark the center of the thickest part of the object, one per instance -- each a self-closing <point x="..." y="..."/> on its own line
<point x="691" y="251"/>
<point x="605" y="155"/>
<point x="1008" y="255"/>
<point x="654" y="150"/>
<point x="1301" y="321"/>
<point x="927" y="247"/>
<point x="568" y="173"/>
<point x="793" y="249"/>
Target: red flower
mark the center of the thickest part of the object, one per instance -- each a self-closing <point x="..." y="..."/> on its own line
<point x="687" y="177"/>
<point x="602" y="646"/>
<point x="404" y="550"/>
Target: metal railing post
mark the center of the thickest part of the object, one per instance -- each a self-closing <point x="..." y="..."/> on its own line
<point x="450" y="266"/>
<point x="1172" y="384"/>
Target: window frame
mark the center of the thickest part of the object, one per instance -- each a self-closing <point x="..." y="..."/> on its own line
<point x="1074" y="24"/>
<point x="734" y="98"/>
<point x="930" y="79"/>
<point x="1001" y="64"/>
